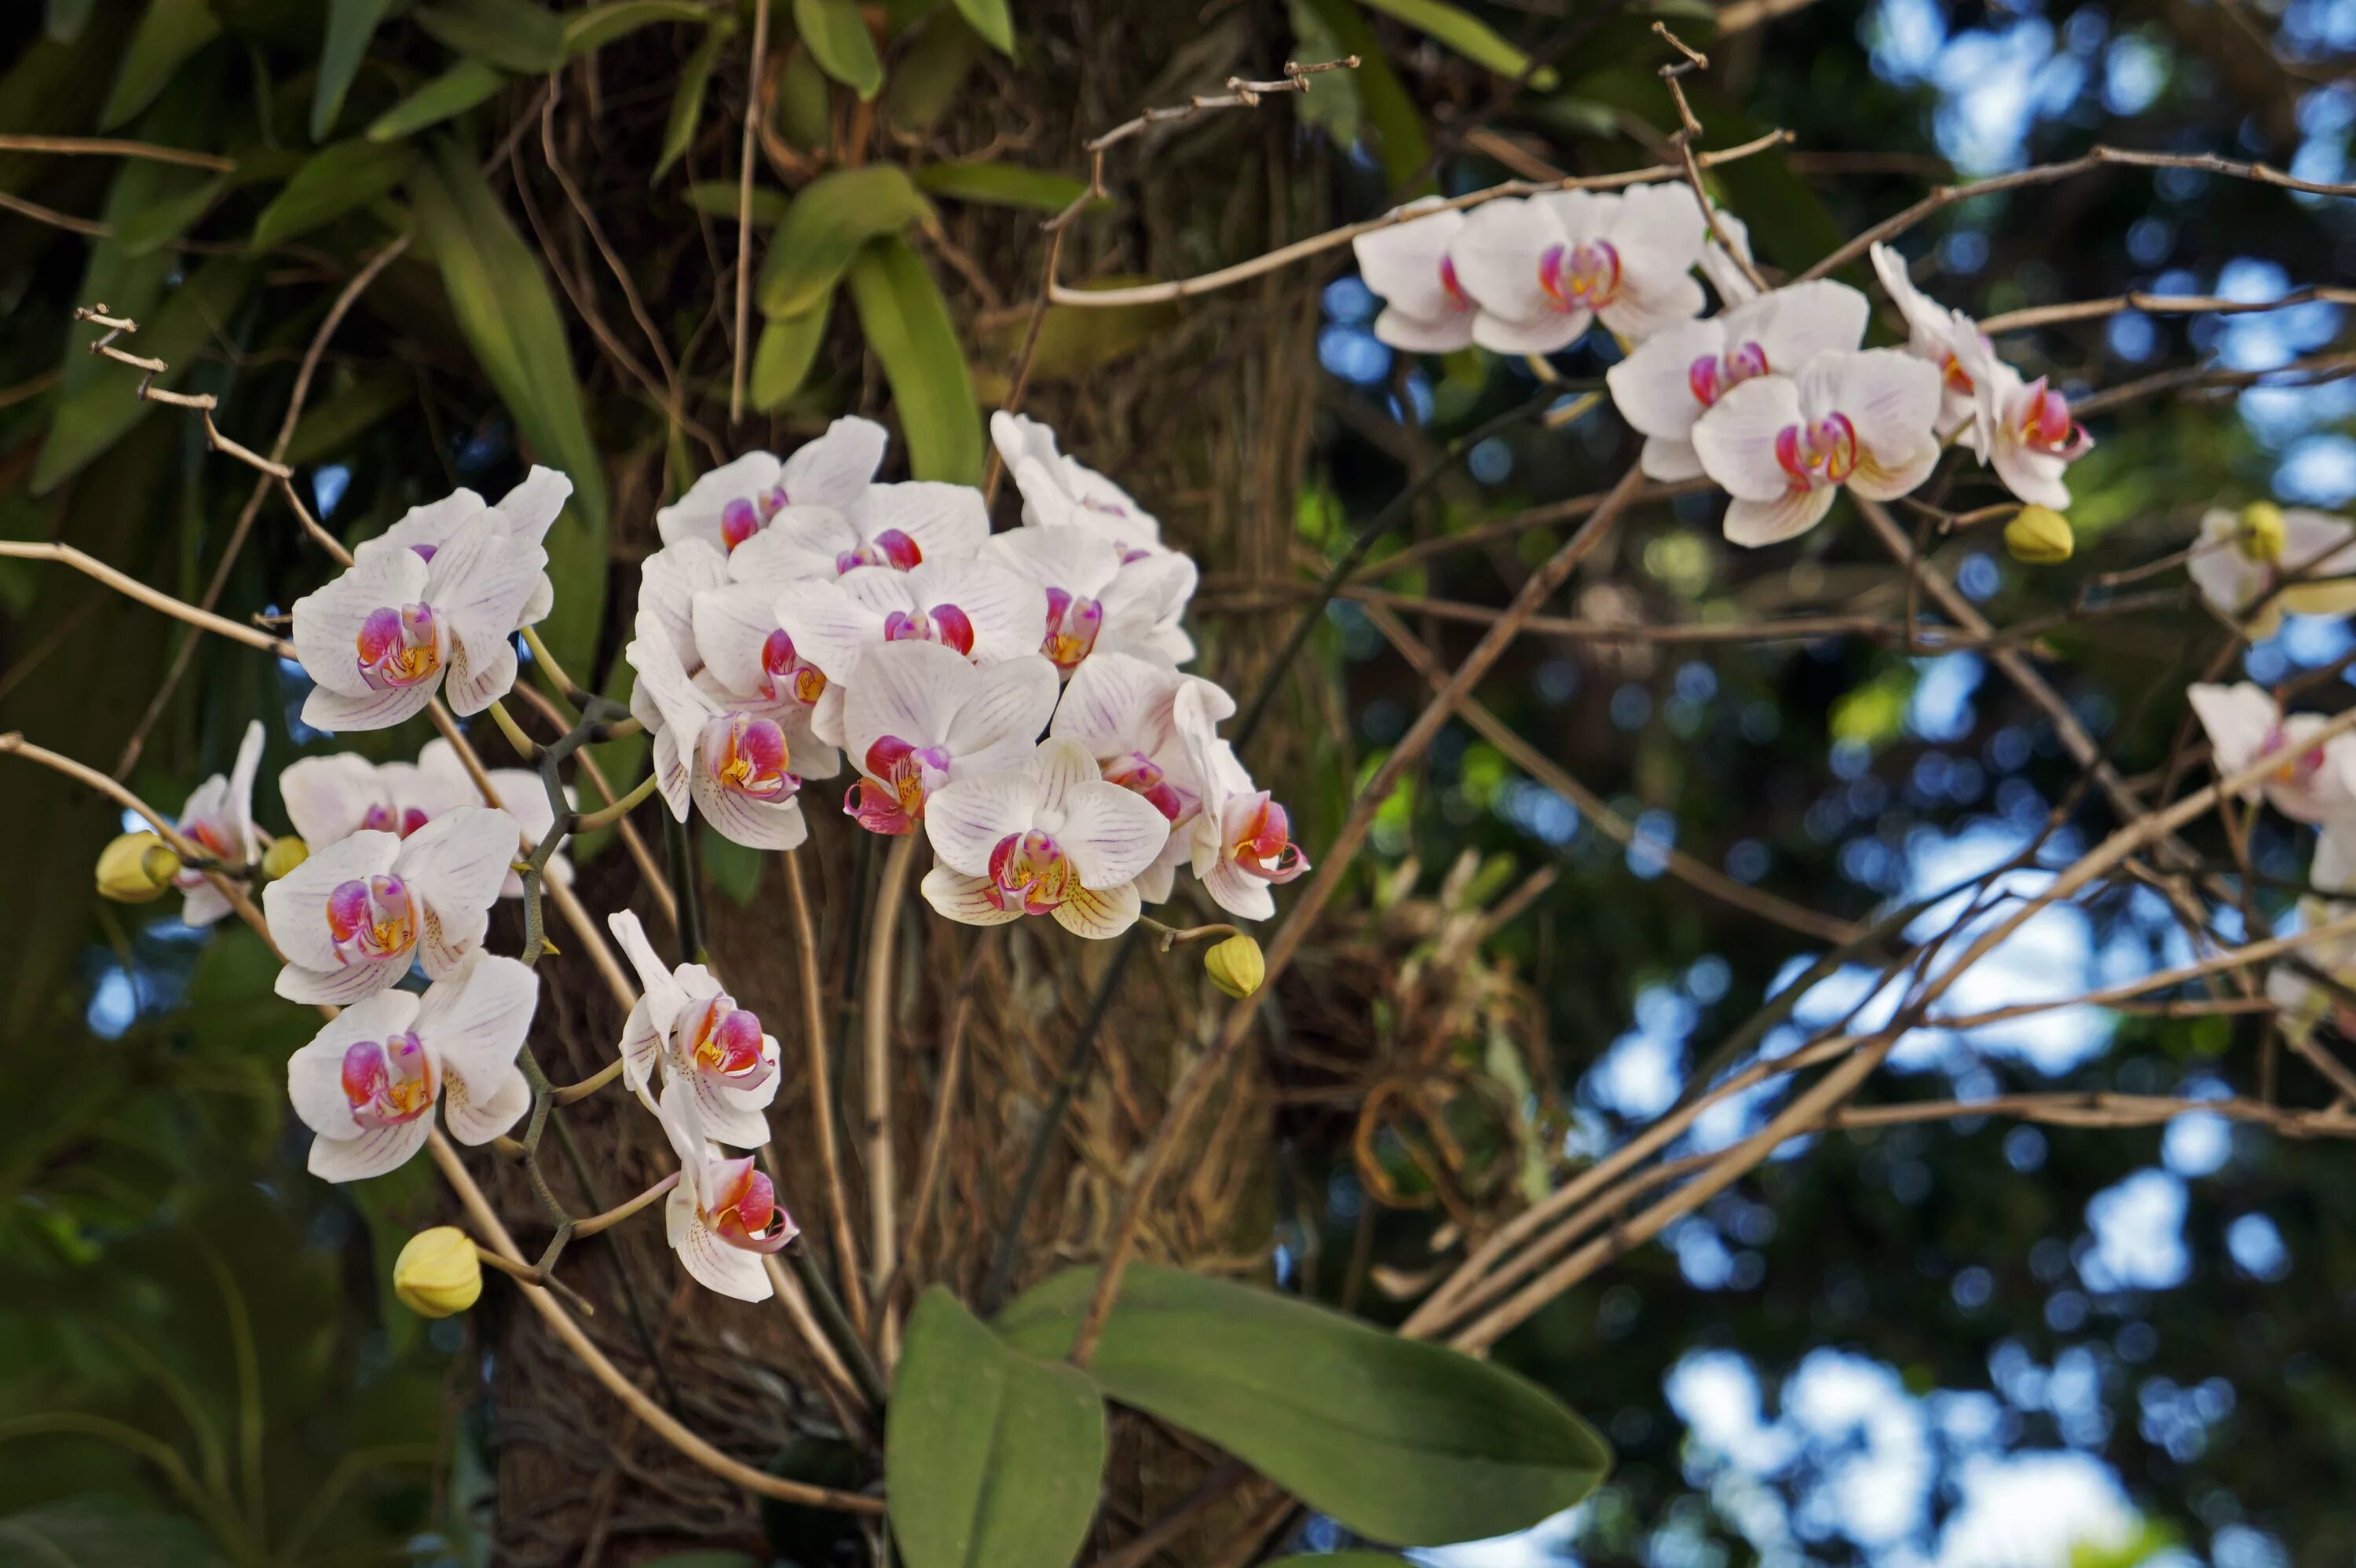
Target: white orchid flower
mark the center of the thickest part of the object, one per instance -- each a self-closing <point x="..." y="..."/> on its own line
<point x="1781" y="444"/>
<point x="330" y="798"/>
<point x="528" y="511"/>
<point x="1123" y="711"/>
<point x="1425" y="308"/>
<point x="368" y="1082"/>
<point x="2301" y="1003"/>
<point x="896" y="526"/>
<point x="710" y="1053"/>
<point x="919" y="715"/>
<point x="738" y="500"/>
<point x="1542" y="268"/>
<point x="2022" y="430"/>
<point x="1241" y="841"/>
<point x="1937" y="336"/>
<point x="1097" y="598"/>
<point x="733" y="766"/>
<point x="1679" y="374"/>
<point x="2311" y="559"/>
<point x="1724" y="264"/>
<point x="1060" y="491"/>
<point x="218" y="819"/>
<point x="383" y="637"/>
<point x="982" y="610"/>
<point x="1051" y="837"/>
<point x="2314" y="784"/>
<point x="751" y="665"/>
<point x="352" y="917"/>
<point x="724" y="1216"/>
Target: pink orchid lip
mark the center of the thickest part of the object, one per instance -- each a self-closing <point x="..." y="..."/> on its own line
<point x="1261" y="837"/>
<point x="890" y="548"/>
<point x="944" y="623"/>
<point x="725" y="1041"/>
<point x="899" y="778"/>
<point x="1824" y="452"/>
<point x="400" y="647"/>
<point x="1585" y="276"/>
<point x="388" y="1082"/>
<point x="404" y="820"/>
<point x="1711" y="376"/>
<point x="1457" y="298"/>
<point x="1030" y="873"/>
<point x="424" y="551"/>
<point x="784" y="675"/>
<point x="2047" y="427"/>
<point x="748" y="755"/>
<point x="1143" y="775"/>
<point x="372" y="921"/>
<point x="738" y="522"/>
<point x="1074" y="623"/>
<point x="744" y="1211"/>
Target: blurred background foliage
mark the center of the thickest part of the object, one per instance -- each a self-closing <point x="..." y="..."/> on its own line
<point x="1963" y="1343"/>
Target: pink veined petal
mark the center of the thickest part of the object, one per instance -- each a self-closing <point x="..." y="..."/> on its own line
<point x="342" y="985"/>
<point x="1402" y="264"/>
<point x="1653" y="388"/>
<point x="531" y="508"/>
<point x="423" y="529"/>
<point x="1544" y="334"/>
<point x="731" y="624"/>
<point x="327" y="797"/>
<point x="947" y="521"/>
<point x="1154" y="589"/>
<point x="668" y="582"/>
<point x="1883" y="474"/>
<point x="1889" y="397"/>
<point x="203" y="904"/>
<point x="1111" y="834"/>
<point x="2239" y="720"/>
<point x="294" y="905"/>
<point x="482" y="669"/>
<point x="1659" y="230"/>
<point x="965" y="898"/>
<point x="1422" y="333"/>
<point x="1669" y="460"/>
<point x="662" y="997"/>
<point x="1060" y="767"/>
<point x="455" y="865"/>
<point x="1076" y="560"/>
<point x="833" y="470"/>
<point x="476" y="1019"/>
<point x="1755" y="523"/>
<point x="1497" y="255"/>
<point x="663" y="680"/>
<point x="696" y="515"/>
<point x="480" y="578"/>
<point x="727" y="1118"/>
<point x="2032" y="477"/>
<point x="967" y="817"/>
<point x="340" y="713"/>
<point x="1007" y="706"/>
<point x="1236" y="890"/>
<point x="910" y="689"/>
<point x="717" y="1266"/>
<point x="756" y="824"/>
<point x="1797" y="323"/>
<point x="1099" y="913"/>
<point x="1005" y="609"/>
<point x="1736" y="439"/>
<point x="1110" y="704"/>
<point x="315" y="1072"/>
<point x="327" y="623"/>
<point x="832" y="627"/>
<point x="800" y="543"/>
<point x="373" y="1153"/>
<point x="1650" y="304"/>
<point x="480" y="1112"/>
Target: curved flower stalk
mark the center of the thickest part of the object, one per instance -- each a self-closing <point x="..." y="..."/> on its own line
<point x="919" y="715"/>
<point x="899" y="525"/>
<point x="733" y="766"/>
<point x="1781" y="444"/>
<point x="1406" y="266"/>
<point x="1060" y="491"/>
<point x="395" y="628"/>
<point x="2023" y="429"/>
<point x="1098" y="598"/>
<point x="1679" y="374"/>
<point x="219" y="818"/>
<point x="1543" y="267"/>
<point x="528" y="511"/>
<point x="353" y="917"/>
<point x="1123" y="711"/>
<point x="738" y="500"/>
<point x="1937" y="336"/>
<point x="2315" y="783"/>
<point x="368" y="1082"/>
<point x="329" y="798"/>
<point x="2243" y="558"/>
<point x="724" y="1216"/>
<point x="1241" y="840"/>
<point x="1051" y="838"/>
<point x="711" y="1055"/>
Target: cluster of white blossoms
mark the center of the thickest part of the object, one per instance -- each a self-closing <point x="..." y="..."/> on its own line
<point x="1772" y="398"/>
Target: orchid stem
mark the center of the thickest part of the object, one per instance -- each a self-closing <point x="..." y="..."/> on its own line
<point x="607" y="816"/>
<point x="839" y="1331"/>
<point x="685" y="890"/>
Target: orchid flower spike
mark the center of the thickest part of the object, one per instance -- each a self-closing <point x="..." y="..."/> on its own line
<point x="2274" y="561"/>
<point x="1123" y="711"/>
<point x="1781" y="444"/>
<point x="1051" y="837"/>
<point x="352" y="918"/>
<point x="919" y="714"/>
<point x="1937" y="336"/>
<point x="1098" y="598"/>
<point x="1405" y="265"/>
<point x="733" y="766"/>
<point x="329" y="798"/>
<point x="1679" y="374"/>
<point x="738" y="500"/>
<point x="1060" y="491"/>
<point x="1242" y="840"/>
<point x="368" y="1082"/>
<point x="710" y="1053"/>
<point x="897" y="526"/>
<point x="1543" y="267"/>
<point x="2314" y="784"/>
<point x="724" y="1216"/>
<point x="528" y="511"/>
<point x="380" y="639"/>
<point x="218" y="819"/>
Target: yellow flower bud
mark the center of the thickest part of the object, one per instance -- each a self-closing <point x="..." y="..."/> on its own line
<point x="1236" y="967"/>
<point x="282" y="855"/>
<point x="136" y="868"/>
<point x="2262" y="535"/>
<point x="2040" y="536"/>
<point x="437" y="1273"/>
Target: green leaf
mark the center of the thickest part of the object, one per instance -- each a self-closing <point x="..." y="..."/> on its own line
<point x="687" y="100"/>
<point x="995" y="1458"/>
<point x="782" y="358"/>
<point x="167" y="220"/>
<point x="926" y="78"/>
<point x="1330" y="98"/>
<point x="1388" y="107"/>
<point x="830" y="219"/>
<point x="1467" y="35"/>
<point x="600" y="26"/>
<point x="350" y="25"/>
<point x="66" y="19"/>
<point x="454" y="91"/>
<point x="168" y="34"/>
<point x="1405" y="1442"/>
<point x="332" y="422"/>
<point x="989" y="18"/>
<point x="719" y="199"/>
<point x="103" y="1531"/>
<point x="907" y="324"/>
<point x="502" y="302"/>
<point x="515" y="34"/>
<point x="730" y="868"/>
<point x="338" y="180"/>
<point x="805" y="102"/>
<point x="1001" y="185"/>
<point x="838" y="40"/>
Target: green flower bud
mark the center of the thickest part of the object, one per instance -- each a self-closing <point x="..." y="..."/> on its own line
<point x="2040" y="536"/>
<point x="283" y="855"/>
<point x="136" y="868"/>
<point x="438" y="1273"/>
<point x="2262" y="535"/>
<point x="1237" y="966"/>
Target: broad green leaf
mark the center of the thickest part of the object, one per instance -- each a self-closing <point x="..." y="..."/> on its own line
<point x="65" y="19"/>
<point x="1400" y="140"/>
<point x="718" y="197"/>
<point x="350" y="25"/>
<point x="925" y="79"/>
<point x="995" y="1458"/>
<point x="1404" y="1442"/>
<point x="331" y="422"/>
<point x="103" y="1531"/>
<point x="166" y="36"/>
<point x="454" y="91"/>
<point x="338" y="180"/>
<point x="989" y="18"/>
<point x="1001" y="185"/>
<point x="1467" y="35"/>
<point x="782" y="359"/>
<point x="167" y="220"/>
<point x="732" y="869"/>
<point x="830" y="219"/>
<point x="686" y="99"/>
<point x="837" y="38"/>
<point x="907" y="324"/>
<point x="600" y="26"/>
<point x="502" y="302"/>
<point x="1331" y="98"/>
<point x="515" y="34"/>
<point x="805" y="105"/>
<point x="899" y="16"/>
